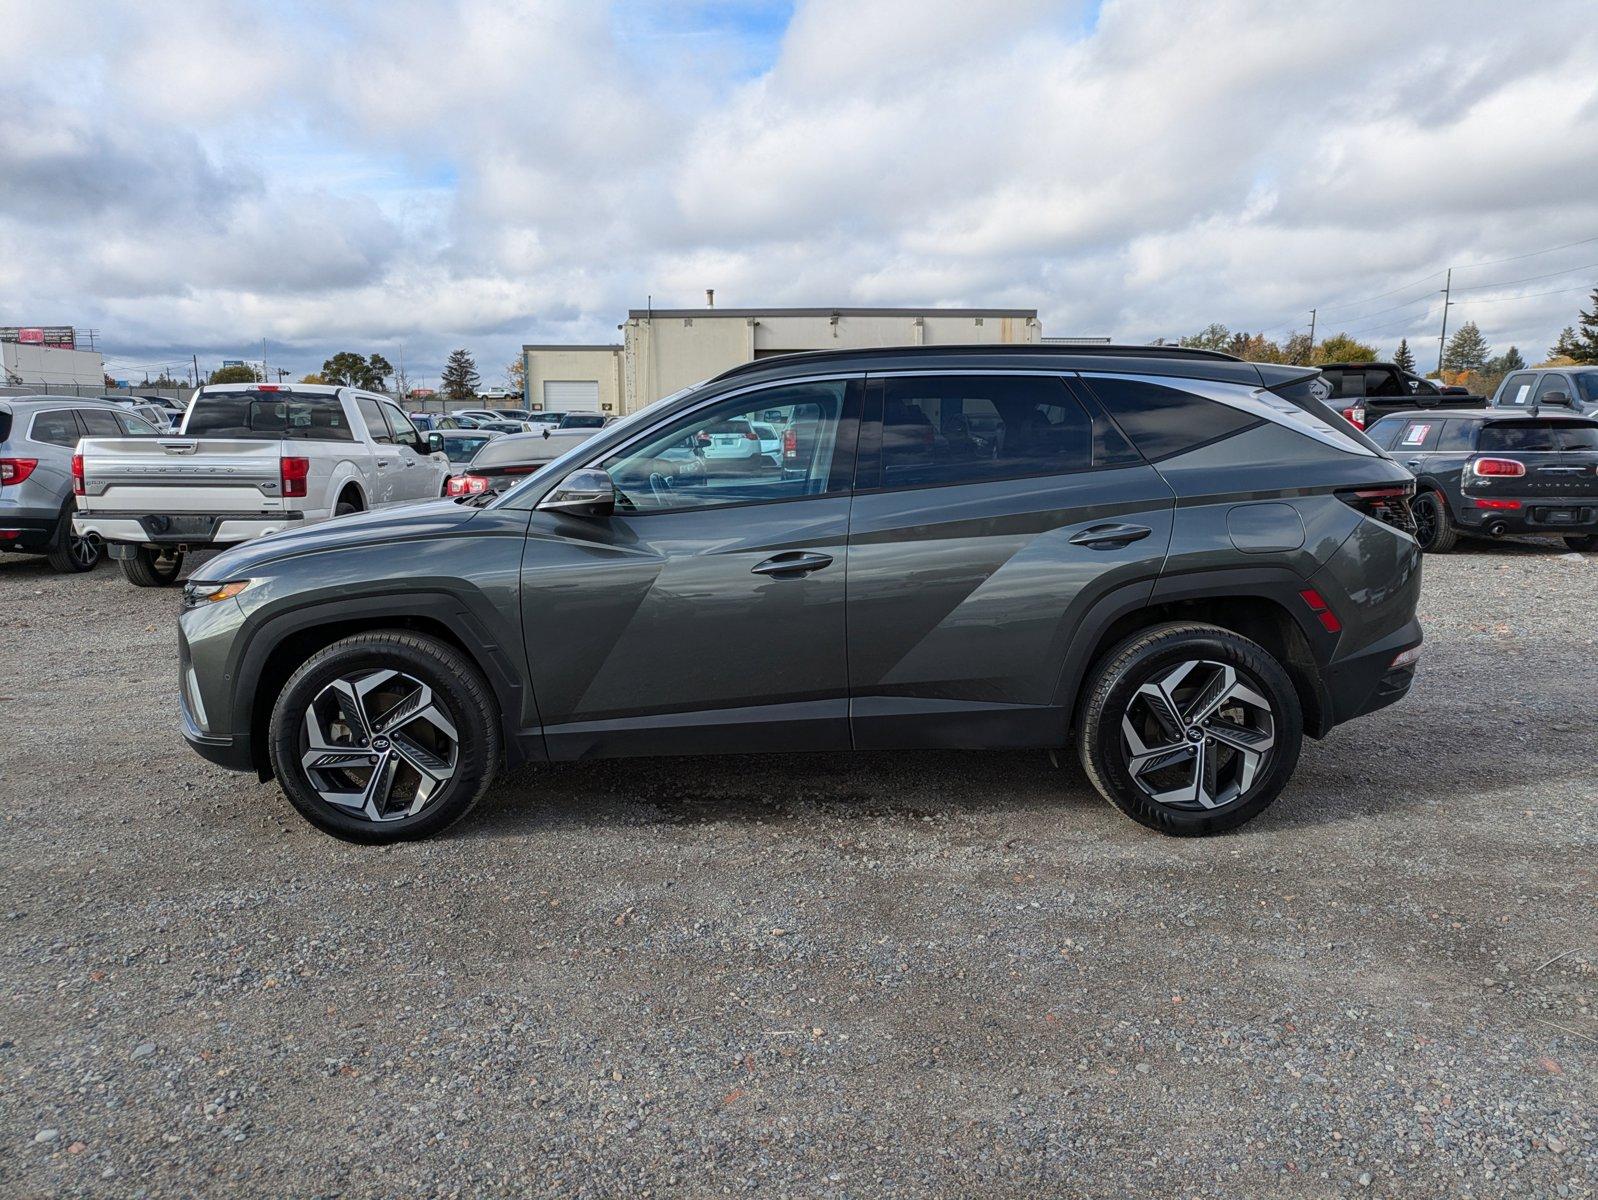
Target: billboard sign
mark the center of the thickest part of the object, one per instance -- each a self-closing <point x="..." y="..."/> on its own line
<point x="56" y="337"/>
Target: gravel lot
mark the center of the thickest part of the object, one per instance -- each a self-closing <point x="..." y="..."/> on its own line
<point x="891" y="975"/>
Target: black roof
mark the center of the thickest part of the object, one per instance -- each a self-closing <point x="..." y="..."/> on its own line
<point x="1053" y="351"/>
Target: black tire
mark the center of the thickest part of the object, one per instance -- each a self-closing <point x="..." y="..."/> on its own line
<point x="1435" y="529"/>
<point x="148" y="568"/>
<point x="1112" y="693"/>
<point x="344" y="508"/>
<point x="69" y="553"/>
<point x="458" y="687"/>
<point x="1583" y="542"/>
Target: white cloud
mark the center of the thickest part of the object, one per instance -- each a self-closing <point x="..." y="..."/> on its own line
<point x="202" y="173"/>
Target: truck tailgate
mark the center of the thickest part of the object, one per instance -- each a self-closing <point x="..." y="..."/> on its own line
<point x="181" y="475"/>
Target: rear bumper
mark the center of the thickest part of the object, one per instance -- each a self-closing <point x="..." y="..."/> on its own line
<point x="208" y="529"/>
<point x="1576" y="516"/>
<point x="1367" y="681"/>
<point x="25" y="532"/>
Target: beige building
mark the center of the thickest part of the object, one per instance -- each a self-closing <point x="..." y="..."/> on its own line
<point x="666" y="350"/>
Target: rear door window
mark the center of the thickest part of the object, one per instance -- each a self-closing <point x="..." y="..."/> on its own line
<point x="1516" y="391"/>
<point x="1164" y="420"/>
<point x="99" y="423"/>
<point x="372" y="414"/>
<point x="967" y="429"/>
<point x="56" y="427"/>
<point x="306" y="416"/>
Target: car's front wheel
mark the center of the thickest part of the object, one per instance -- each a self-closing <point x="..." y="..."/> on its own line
<point x="384" y="736"/>
<point x="1190" y="729"/>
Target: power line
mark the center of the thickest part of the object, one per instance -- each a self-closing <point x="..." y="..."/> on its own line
<point x="1527" y="296"/>
<point x="1384" y="295"/>
<point x="1517" y="257"/>
<point x="1477" y="287"/>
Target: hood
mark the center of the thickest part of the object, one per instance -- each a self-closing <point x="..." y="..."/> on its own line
<point x="429" y="518"/>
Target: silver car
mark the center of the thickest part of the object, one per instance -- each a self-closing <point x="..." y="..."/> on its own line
<point x="38" y="435"/>
<point x="1575" y="388"/>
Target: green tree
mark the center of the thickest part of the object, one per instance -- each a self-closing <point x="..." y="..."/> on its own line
<point x="239" y="374"/>
<point x="379" y="371"/>
<point x="1403" y="357"/>
<point x="460" y="378"/>
<point x="1586" y="345"/>
<point x="1467" y="349"/>
<point x="1297" y="350"/>
<point x="1567" y="345"/>
<point x="1342" y="348"/>
<point x="348" y="368"/>
<point x="1211" y="337"/>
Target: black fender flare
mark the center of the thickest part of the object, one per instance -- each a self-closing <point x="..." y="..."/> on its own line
<point x="266" y="631"/>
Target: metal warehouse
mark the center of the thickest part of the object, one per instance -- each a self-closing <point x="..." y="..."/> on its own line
<point x="665" y="350"/>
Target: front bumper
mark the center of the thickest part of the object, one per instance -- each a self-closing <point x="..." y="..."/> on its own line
<point x="199" y="530"/>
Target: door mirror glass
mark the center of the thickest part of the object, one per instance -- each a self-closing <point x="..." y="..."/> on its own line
<point x="435" y="442"/>
<point x="585" y="493"/>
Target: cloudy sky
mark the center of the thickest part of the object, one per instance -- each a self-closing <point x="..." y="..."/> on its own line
<point x="415" y="175"/>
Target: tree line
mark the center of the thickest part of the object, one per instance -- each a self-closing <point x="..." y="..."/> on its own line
<point x="1468" y="360"/>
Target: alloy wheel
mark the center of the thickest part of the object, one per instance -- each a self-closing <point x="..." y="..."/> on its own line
<point x="1198" y="737"/>
<point x="85" y="550"/>
<point x="379" y="745"/>
<point x="1425" y="514"/>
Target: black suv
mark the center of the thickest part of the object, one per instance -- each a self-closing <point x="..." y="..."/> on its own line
<point x="1176" y="561"/>
<point x="1489" y="472"/>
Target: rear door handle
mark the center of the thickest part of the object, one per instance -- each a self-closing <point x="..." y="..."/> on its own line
<point x="791" y="563"/>
<point x="1110" y="535"/>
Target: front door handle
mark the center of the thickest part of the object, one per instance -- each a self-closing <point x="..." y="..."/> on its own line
<point x="1413" y="463"/>
<point x="791" y="564"/>
<point x="1105" y="536"/>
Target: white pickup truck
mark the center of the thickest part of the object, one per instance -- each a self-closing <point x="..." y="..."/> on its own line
<point x="250" y="459"/>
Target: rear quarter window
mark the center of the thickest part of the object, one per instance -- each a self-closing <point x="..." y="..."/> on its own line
<point x="1163" y="421"/>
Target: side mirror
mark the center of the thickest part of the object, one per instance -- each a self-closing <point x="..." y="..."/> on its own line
<point x="1560" y="398"/>
<point x="585" y="493"/>
<point x="435" y="442"/>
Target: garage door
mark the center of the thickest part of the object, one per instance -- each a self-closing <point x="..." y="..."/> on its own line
<point x="571" y="395"/>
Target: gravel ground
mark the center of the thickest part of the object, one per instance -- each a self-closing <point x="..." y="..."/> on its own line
<point x="888" y="975"/>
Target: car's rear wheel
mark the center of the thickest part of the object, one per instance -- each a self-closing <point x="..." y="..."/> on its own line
<point x="153" y="568"/>
<point x="1434" y="528"/>
<point x="1190" y="729"/>
<point x="385" y="736"/>
<point x="1585" y="541"/>
<point x="70" y="552"/>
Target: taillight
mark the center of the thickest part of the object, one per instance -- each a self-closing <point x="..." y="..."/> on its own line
<point x="294" y="472"/>
<point x="1388" y="504"/>
<point x="1501" y="467"/>
<point x="15" y="470"/>
<point x="1322" y="610"/>
<point x="751" y="436"/>
<point x="466" y="485"/>
<point x="77" y="475"/>
<point x="1355" y="416"/>
<point x="790" y="443"/>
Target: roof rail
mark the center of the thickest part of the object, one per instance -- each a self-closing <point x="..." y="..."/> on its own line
<point x="1049" y="350"/>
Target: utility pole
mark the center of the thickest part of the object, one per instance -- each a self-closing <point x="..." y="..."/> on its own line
<point x="265" y="374"/>
<point x="195" y="358"/>
<point x="1442" y="338"/>
<point x="1312" y="333"/>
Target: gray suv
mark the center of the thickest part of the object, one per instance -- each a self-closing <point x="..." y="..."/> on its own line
<point x="37" y="438"/>
<point x="1173" y="561"/>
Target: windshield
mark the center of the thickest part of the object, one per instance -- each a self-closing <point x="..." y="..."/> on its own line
<point x="612" y="435"/>
<point x="310" y="416"/>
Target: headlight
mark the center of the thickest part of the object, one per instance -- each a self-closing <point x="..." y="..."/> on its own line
<point x="196" y="593"/>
